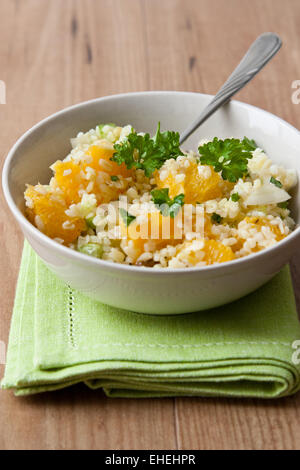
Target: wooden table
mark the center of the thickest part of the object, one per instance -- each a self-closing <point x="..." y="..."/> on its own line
<point x="54" y="53"/>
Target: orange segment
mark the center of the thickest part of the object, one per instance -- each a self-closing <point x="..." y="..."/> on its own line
<point x="92" y="174"/>
<point x="197" y="186"/>
<point x="102" y="162"/>
<point x="209" y="252"/>
<point x="259" y="222"/>
<point x="50" y="210"/>
<point x="69" y="178"/>
<point x="157" y="230"/>
<point x="216" y="252"/>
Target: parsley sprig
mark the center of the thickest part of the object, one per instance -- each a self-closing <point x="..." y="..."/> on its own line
<point x="145" y="152"/>
<point x="229" y="156"/>
<point x="167" y="206"/>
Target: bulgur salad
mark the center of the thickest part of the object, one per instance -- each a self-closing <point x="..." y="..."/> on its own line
<point x="129" y="198"/>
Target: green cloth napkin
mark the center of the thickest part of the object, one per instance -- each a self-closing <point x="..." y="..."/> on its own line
<point x="60" y="337"/>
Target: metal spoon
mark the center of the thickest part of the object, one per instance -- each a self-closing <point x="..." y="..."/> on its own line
<point x="258" y="55"/>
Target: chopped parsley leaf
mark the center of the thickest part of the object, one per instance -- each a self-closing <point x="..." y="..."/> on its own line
<point x="114" y="178"/>
<point x="127" y="218"/>
<point x="235" y="197"/>
<point x="275" y="182"/>
<point x="167" y="206"/>
<point x="90" y="223"/>
<point x="216" y="218"/>
<point x="283" y="205"/>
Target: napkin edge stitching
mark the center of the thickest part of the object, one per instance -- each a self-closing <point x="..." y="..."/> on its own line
<point x="71" y="317"/>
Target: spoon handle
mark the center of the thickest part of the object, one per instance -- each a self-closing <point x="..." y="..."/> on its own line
<point x="257" y="56"/>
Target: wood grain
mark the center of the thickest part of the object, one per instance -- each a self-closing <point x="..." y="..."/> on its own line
<point x="53" y="54"/>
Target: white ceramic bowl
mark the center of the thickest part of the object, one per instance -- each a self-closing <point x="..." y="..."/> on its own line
<point x="144" y="289"/>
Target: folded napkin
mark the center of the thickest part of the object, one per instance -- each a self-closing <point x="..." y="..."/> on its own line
<point x="59" y="337"/>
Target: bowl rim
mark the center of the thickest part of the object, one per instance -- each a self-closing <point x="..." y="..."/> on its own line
<point x="66" y="251"/>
